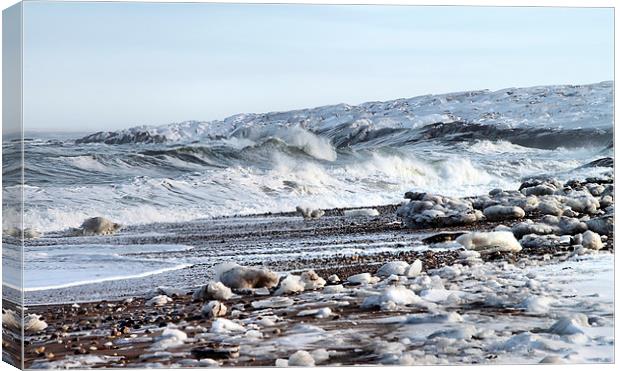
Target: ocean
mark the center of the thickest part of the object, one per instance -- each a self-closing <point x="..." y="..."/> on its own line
<point x="456" y="144"/>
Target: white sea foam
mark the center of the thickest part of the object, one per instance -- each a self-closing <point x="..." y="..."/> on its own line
<point x="325" y="157"/>
<point x="287" y="183"/>
<point x="65" y="266"/>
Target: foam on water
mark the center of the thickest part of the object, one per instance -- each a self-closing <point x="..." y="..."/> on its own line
<point x="333" y="156"/>
<point x="61" y="266"/>
<point x="356" y="181"/>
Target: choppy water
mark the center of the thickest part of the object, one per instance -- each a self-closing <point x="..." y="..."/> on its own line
<point x="331" y="156"/>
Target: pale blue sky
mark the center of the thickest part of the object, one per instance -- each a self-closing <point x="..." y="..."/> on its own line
<point x="104" y="66"/>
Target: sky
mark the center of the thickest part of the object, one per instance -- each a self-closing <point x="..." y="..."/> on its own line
<point x="106" y="66"/>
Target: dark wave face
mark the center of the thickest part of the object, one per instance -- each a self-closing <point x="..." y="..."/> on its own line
<point x="335" y="156"/>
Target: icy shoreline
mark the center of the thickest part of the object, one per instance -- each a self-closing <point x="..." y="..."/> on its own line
<point x="535" y="310"/>
<point x="515" y="276"/>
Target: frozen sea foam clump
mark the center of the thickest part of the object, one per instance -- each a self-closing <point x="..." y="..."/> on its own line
<point x="238" y="277"/>
<point x="489" y="242"/>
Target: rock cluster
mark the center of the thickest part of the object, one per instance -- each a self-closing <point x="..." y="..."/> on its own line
<point x="569" y="209"/>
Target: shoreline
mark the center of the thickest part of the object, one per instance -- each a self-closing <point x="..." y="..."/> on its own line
<point x="287" y="226"/>
<point x="457" y="305"/>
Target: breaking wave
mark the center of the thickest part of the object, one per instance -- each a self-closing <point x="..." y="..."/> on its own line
<point x="334" y="156"/>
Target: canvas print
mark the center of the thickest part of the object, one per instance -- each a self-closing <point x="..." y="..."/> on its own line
<point x="234" y="185"/>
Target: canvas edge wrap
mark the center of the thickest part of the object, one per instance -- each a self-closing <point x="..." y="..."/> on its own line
<point x="13" y="178"/>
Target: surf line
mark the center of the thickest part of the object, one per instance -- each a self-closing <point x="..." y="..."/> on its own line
<point x="107" y="279"/>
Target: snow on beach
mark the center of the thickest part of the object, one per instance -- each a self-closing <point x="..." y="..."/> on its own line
<point x="487" y="312"/>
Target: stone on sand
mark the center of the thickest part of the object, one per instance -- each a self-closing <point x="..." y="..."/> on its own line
<point x="550" y="207"/>
<point x="603" y="225"/>
<point x="529" y="227"/>
<point x="572" y="225"/>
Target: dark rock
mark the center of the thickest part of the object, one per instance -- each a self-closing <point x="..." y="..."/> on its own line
<point x="442" y="237"/>
<point x="220" y="351"/>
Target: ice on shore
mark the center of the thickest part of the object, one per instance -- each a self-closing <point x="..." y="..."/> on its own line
<point x="318" y="313"/>
<point x="592" y="240"/>
<point x="34" y="323"/>
<point x="333" y="289"/>
<point x="414" y="269"/>
<point x="390" y="296"/>
<point x="489" y="242"/>
<point x="536" y="304"/>
<point x="570" y="325"/>
<point x="461" y="314"/>
<point x="291" y="284"/>
<point x="158" y="300"/>
<point x="312" y="281"/>
<point x="170" y="338"/>
<point x="362" y="278"/>
<point x="360" y="212"/>
<point x="223" y="325"/>
<point x="395" y="267"/>
<point x="301" y="358"/>
<point x="213" y="290"/>
<point x="237" y="277"/>
<point x="274" y="302"/>
<point x="75" y="362"/>
<point x="213" y="309"/>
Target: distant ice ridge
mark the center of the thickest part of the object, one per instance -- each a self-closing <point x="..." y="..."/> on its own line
<point x="566" y="107"/>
